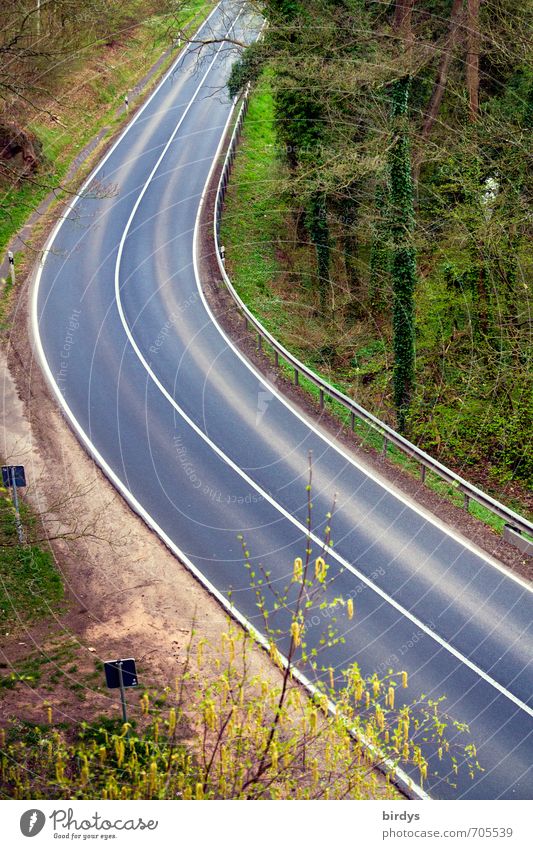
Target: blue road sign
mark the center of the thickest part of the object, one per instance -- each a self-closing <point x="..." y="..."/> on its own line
<point x="129" y="673"/>
<point x="14" y="474"/>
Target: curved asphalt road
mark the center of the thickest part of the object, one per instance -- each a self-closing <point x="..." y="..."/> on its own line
<point x="205" y="449"/>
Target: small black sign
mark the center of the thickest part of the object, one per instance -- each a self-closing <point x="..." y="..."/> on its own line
<point x="16" y="473"/>
<point x="129" y="673"/>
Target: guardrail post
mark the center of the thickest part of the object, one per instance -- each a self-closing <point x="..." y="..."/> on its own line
<point x="276" y="359"/>
<point x="321" y="399"/>
<point x="296" y="377"/>
<point x="385" y="446"/>
<point x="259" y="342"/>
<point x="422" y="473"/>
<point x="352" y="420"/>
<point x="245" y="323"/>
<point x="514" y="536"/>
<point x="466" y="500"/>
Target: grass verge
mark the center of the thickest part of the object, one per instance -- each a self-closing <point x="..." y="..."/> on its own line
<point x="30" y="585"/>
<point x="97" y="83"/>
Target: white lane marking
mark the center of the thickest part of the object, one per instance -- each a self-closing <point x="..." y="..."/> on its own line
<point x="49" y="242"/>
<point x="382" y="482"/>
<point x="151" y="522"/>
<point x="246" y="477"/>
<point x="158" y="163"/>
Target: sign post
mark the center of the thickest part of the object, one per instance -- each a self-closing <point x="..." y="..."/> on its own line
<point x="11" y="260"/>
<point x="120" y="674"/>
<point x="122" y="691"/>
<point x="14" y="476"/>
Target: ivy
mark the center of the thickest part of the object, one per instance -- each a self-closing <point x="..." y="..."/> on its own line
<point x="403" y="264"/>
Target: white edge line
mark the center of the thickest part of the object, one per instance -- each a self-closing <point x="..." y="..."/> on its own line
<point x="130" y="498"/>
<point x="401" y="778"/>
<point x="253" y="484"/>
<point x="221" y="454"/>
<point x="399" y="775"/>
<point x="113" y="147"/>
<point x="382" y="482"/>
<point x="247" y="310"/>
<point x="281" y="509"/>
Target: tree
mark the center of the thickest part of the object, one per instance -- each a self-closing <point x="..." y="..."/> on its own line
<point x="355" y="85"/>
<point x="254" y="736"/>
<point x="439" y="87"/>
<point x="403" y="261"/>
<point x="473" y="39"/>
<point x="40" y="43"/>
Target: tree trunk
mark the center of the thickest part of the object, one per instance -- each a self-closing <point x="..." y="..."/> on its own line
<point x="403" y="265"/>
<point x="317" y="224"/>
<point x="442" y="72"/>
<point x="349" y="208"/>
<point x="380" y="260"/>
<point x="473" y="39"/>
<point x="403" y="13"/>
<point x="403" y="259"/>
<point x="440" y="84"/>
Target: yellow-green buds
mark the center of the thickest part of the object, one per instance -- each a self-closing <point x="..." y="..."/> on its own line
<point x="295" y="633"/>
<point x="172" y="720"/>
<point x="321" y="569"/>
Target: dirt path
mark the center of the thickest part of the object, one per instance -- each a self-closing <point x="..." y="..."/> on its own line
<point x="128" y="594"/>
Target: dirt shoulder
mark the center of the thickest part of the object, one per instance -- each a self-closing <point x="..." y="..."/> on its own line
<point x="127" y="594"/>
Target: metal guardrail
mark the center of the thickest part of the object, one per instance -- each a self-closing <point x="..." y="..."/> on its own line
<point x="389" y="436"/>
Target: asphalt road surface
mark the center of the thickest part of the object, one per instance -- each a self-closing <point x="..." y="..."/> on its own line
<point x="205" y="449"/>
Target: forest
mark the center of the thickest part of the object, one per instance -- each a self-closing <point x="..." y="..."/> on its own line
<point x="395" y="204"/>
<point x="401" y="172"/>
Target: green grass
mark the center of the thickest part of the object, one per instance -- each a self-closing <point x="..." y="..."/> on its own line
<point x="251" y="212"/>
<point x="47" y="667"/>
<point x="30" y="585"/>
<point x="89" y="113"/>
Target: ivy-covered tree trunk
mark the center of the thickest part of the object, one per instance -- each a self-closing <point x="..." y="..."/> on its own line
<point x="317" y="225"/>
<point x="403" y="263"/>
<point x="379" y="273"/>
<point x="349" y="210"/>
